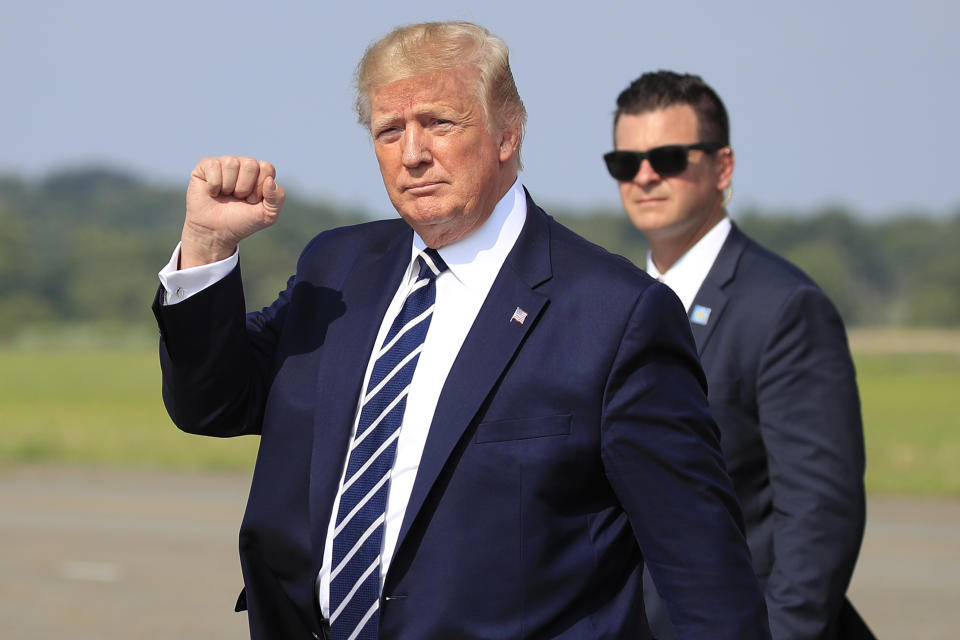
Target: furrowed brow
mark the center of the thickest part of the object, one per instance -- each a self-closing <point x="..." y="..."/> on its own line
<point x="384" y="122"/>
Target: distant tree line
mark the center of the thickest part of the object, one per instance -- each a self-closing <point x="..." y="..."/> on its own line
<point x="83" y="246"/>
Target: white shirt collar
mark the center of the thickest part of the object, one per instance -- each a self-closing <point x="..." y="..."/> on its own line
<point x="476" y="259"/>
<point x="687" y="274"/>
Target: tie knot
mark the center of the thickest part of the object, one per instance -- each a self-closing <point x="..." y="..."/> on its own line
<point x="431" y="264"/>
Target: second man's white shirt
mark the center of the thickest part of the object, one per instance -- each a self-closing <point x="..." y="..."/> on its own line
<point x="687" y="274"/>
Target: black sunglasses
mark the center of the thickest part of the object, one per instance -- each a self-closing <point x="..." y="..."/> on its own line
<point x="669" y="160"/>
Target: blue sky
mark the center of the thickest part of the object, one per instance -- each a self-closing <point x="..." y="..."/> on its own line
<point x="851" y="103"/>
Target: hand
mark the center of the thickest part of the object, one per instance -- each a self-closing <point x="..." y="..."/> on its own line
<point x="229" y="198"/>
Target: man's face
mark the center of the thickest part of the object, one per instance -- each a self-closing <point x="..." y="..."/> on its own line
<point x="680" y="206"/>
<point x="444" y="169"/>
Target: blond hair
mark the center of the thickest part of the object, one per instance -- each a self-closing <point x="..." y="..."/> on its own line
<point x="430" y="47"/>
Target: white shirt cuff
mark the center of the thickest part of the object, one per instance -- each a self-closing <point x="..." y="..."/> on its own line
<point x="180" y="284"/>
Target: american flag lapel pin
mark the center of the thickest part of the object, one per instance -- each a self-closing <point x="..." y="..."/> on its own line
<point x="519" y="315"/>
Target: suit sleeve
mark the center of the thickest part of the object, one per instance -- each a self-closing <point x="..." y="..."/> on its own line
<point x="809" y="412"/>
<point x="217" y="361"/>
<point x="662" y="456"/>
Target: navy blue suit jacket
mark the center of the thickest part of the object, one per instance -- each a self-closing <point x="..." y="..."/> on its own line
<point x="565" y="452"/>
<point x="782" y="389"/>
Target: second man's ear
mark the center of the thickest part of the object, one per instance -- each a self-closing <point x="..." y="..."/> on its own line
<point x="727" y="161"/>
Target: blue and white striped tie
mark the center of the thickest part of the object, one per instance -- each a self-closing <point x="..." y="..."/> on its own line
<point x="358" y="535"/>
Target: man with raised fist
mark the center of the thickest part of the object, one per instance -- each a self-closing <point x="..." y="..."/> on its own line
<point x="474" y="423"/>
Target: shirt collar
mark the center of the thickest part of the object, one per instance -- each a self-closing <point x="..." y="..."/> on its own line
<point x="687" y="274"/>
<point x="476" y="259"/>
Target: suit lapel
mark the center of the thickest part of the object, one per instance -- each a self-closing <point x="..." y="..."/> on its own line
<point x="367" y="291"/>
<point x="711" y="298"/>
<point x="486" y="352"/>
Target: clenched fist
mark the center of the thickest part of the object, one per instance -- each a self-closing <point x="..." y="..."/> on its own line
<point x="229" y="199"/>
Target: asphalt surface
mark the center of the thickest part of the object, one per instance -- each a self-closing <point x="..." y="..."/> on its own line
<point x="104" y="555"/>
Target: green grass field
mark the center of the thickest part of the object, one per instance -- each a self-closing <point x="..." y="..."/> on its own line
<point x="93" y="406"/>
<point x="911" y="424"/>
<point x="99" y="406"/>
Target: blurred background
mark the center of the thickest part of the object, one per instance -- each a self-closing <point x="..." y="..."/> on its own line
<point x="843" y="121"/>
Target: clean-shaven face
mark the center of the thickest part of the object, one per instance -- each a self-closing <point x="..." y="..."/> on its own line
<point x="443" y="168"/>
<point x="675" y="206"/>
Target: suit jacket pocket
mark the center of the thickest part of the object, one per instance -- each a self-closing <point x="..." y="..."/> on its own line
<point x="523" y="428"/>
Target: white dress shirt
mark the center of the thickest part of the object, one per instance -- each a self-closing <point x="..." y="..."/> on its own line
<point x="180" y="284"/>
<point x="474" y="263"/>
<point x="687" y="274"/>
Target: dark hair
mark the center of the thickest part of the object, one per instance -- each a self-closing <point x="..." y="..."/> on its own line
<point x="662" y="89"/>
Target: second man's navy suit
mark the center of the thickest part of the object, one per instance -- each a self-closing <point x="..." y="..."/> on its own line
<point x="783" y="391"/>
<point x="566" y="451"/>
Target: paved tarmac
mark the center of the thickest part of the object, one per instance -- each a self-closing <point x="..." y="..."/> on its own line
<point x="107" y="554"/>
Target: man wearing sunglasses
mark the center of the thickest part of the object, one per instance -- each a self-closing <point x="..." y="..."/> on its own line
<point x="781" y="379"/>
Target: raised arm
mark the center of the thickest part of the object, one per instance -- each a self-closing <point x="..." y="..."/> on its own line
<point x="215" y="371"/>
